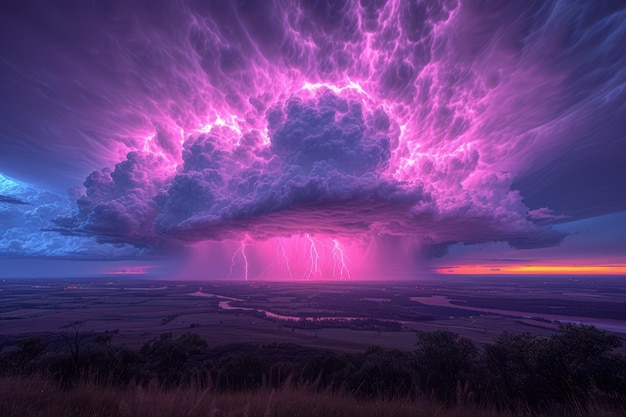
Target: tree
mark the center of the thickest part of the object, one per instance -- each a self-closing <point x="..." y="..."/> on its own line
<point x="576" y="361"/>
<point x="31" y="348"/>
<point x="168" y="359"/>
<point x="239" y="371"/>
<point x="75" y="341"/>
<point x="512" y="364"/>
<point x="381" y="373"/>
<point x="191" y="343"/>
<point x="444" y="360"/>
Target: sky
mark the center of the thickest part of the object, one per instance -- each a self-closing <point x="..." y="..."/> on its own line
<point x="307" y="140"/>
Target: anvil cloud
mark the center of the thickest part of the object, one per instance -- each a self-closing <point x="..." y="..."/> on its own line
<point x="433" y="122"/>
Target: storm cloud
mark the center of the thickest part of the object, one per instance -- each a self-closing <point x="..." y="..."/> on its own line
<point x="323" y="172"/>
<point x="441" y="122"/>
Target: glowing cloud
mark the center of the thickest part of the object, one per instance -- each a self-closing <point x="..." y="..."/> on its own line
<point x="310" y="124"/>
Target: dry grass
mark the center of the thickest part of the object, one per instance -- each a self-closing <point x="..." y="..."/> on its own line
<point x="38" y="397"/>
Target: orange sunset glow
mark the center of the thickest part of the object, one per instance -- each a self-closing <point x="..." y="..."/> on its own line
<point x="130" y="270"/>
<point x="534" y="269"/>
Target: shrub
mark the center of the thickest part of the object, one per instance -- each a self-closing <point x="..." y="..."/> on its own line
<point x="512" y="364"/>
<point x="444" y="361"/>
<point x="31" y="348"/>
<point x="577" y="360"/>
<point x="168" y="360"/>
<point x="381" y="373"/>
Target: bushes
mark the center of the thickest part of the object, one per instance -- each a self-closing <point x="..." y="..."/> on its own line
<point x="515" y="371"/>
<point x="571" y="366"/>
<point x="239" y="371"/>
<point x="380" y="373"/>
<point x="512" y="364"/>
<point x="31" y="348"/>
<point x="323" y="370"/>
<point x="171" y="361"/>
<point x="444" y="360"/>
<point x="575" y="361"/>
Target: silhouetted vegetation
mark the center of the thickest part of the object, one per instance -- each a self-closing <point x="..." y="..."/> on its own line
<point x="571" y="367"/>
<point x="444" y="361"/>
<point x="572" y="370"/>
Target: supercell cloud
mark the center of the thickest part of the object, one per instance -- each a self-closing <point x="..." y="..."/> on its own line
<point x="434" y="122"/>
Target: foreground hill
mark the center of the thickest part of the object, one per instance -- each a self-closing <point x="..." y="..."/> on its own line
<point x="574" y="372"/>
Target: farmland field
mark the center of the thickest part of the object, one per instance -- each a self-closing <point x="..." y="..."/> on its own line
<point x="344" y="316"/>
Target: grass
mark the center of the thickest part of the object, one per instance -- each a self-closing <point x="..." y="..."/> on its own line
<point x="38" y="397"/>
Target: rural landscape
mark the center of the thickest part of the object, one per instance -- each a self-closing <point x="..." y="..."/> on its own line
<point x="312" y="208"/>
<point x="439" y="345"/>
<point x="345" y="316"/>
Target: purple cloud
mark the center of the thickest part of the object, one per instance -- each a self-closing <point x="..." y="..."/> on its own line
<point x="446" y="121"/>
<point x="324" y="171"/>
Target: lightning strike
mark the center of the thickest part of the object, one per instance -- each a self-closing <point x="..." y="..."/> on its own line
<point x="314" y="260"/>
<point x="280" y="259"/>
<point x="281" y="243"/>
<point x="241" y="251"/>
<point x="339" y="259"/>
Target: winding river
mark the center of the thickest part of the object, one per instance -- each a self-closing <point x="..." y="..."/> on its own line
<point x="605" y="324"/>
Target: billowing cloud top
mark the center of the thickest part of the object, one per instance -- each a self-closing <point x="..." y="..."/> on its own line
<point x="325" y="170"/>
<point x="442" y="121"/>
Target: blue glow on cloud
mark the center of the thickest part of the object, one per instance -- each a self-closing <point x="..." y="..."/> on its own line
<point x="26" y="216"/>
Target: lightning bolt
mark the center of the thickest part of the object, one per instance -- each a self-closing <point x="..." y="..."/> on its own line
<point x="267" y="268"/>
<point x="314" y="259"/>
<point x="281" y="243"/>
<point x="339" y="259"/>
<point x="241" y="250"/>
<point x="281" y="254"/>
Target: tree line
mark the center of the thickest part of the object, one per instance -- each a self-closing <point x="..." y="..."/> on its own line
<point x="574" y="366"/>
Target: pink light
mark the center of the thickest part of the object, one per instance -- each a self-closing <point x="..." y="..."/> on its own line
<point x="294" y="259"/>
<point x="283" y="252"/>
<point x="418" y="131"/>
<point x="340" y="259"/>
<point x="241" y="251"/>
<point x="130" y="270"/>
<point x="280" y="262"/>
<point x="451" y="129"/>
<point x="314" y="260"/>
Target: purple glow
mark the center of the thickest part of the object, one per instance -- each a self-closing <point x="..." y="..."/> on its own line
<point x="310" y="140"/>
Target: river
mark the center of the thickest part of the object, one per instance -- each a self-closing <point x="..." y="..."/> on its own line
<point x="605" y="324"/>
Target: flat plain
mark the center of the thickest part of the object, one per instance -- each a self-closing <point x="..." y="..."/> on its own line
<point x="345" y="316"/>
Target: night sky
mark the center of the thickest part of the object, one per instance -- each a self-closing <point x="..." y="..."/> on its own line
<point x="311" y="140"/>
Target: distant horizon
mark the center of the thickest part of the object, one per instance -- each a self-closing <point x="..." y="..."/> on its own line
<point x="441" y="277"/>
